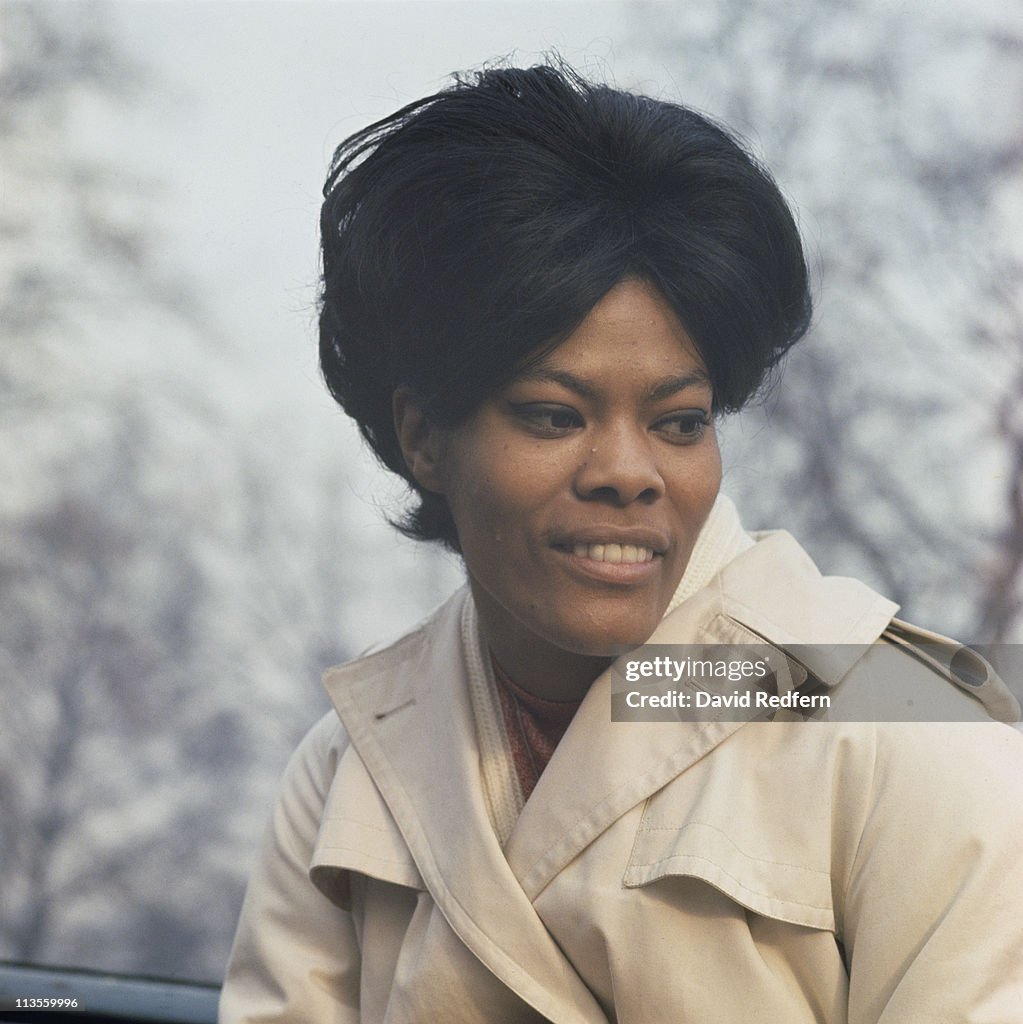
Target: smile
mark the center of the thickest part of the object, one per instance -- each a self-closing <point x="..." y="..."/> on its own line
<point x="614" y="553"/>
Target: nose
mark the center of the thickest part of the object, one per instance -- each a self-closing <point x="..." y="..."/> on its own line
<point x="619" y="466"/>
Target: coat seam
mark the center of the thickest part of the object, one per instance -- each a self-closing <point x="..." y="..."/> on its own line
<point x="734" y="845"/>
<point x="756" y="892"/>
<point x="409" y="864"/>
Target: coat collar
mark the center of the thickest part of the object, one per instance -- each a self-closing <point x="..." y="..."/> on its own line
<point x="407" y="712"/>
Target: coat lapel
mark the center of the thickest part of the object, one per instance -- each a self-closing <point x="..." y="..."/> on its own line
<point x="407" y="713"/>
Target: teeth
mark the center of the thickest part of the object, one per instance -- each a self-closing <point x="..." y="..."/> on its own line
<point x="613" y="552"/>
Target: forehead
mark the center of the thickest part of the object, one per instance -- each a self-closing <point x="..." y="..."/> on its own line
<point x="632" y="327"/>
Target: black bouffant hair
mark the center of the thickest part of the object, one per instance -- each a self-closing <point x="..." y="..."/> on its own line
<point x="470" y="232"/>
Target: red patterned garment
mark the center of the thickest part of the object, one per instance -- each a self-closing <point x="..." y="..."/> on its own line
<point x="534" y="726"/>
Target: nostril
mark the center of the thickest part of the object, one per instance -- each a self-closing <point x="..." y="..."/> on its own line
<point x="620" y="496"/>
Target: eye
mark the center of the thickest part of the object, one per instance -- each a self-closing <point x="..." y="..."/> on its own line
<point x="685" y="427"/>
<point x="548" y="420"/>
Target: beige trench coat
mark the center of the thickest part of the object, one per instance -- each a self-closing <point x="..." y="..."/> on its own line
<point x="780" y="872"/>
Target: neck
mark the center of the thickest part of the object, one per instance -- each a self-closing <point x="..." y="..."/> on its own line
<point x="562" y="676"/>
<point x="535" y="665"/>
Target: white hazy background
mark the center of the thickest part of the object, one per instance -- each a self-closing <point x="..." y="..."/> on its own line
<point x="189" y="530"/>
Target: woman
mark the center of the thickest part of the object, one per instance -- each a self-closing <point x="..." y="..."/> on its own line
<point x="538" y="295"/>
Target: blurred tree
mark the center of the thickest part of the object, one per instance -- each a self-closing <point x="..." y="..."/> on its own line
<point x="893" y="447"/>
<point x="152" y="678"/>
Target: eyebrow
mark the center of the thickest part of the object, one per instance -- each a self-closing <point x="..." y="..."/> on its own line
<point x="672" y="385"/>
<point x="662" y="389"/>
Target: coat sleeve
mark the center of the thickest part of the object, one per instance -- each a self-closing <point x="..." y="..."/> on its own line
<point x="295" y="956"/>
<point x="933" y="908"/>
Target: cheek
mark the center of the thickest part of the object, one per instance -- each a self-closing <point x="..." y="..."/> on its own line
<point x="712" y="474"/>
<point x="696" y="485"/>
<point x="486" y="501"/>
<point x="509" y="484"/>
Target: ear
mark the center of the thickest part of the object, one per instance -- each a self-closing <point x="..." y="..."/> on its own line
<point x="420" y="440"/>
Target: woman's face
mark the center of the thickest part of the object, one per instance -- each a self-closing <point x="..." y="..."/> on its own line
<point x="579" y="489"/>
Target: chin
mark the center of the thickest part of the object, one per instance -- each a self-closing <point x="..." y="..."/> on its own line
<point x="606" y="640"/>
